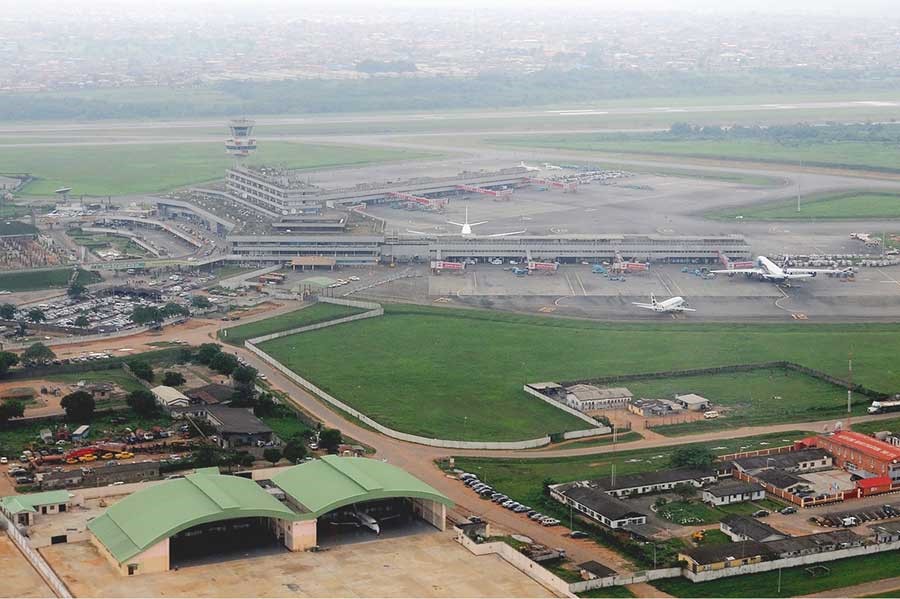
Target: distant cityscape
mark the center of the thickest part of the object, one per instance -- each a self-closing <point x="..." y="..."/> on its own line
<point x="95" y="47"/>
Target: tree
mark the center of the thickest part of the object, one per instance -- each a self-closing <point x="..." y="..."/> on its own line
<point x="224" y="363"/>
<point x="173" y="309"/>
<point x="76" y="290"/>
<point x="295" y="450"/>
<point x="143" y="402"/>
<point x="79" y="406"/>
<point x="272" y="454"/>
<point x="244" y="374"/>
<point x="146" y="315"/>
<point x="244" y="396"/>
<point x="199" y="301"/>
<point x="686" y="491"/>
<point x="206" y="352"/>
<point x="7" y="361"/>
<point x="173" y="379"/>
<point x="10" y="409"/>
<point x="265" y="405"/>
<point x="7" y="311"/>
<point x="184" y="356"/>
<point x="82" y="322"/>
<point x="330" y="439"/>
<point x="692" y="457"/>
<point x="142" y="370"/>
<point x="38" y="353"/>
<point x="205" y="456"/>
<point x="36" y="315"/>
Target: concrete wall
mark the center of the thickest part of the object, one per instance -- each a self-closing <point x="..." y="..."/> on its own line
<point x="35" y="559"/>
<point x="300" y="535"/>
<point x="623" y="579"/>
<point x="790" y="562"/>
<point x="588" y="432"/>
<point x="532" y="569"/>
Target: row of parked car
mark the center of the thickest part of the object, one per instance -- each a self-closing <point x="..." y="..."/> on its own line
<point x="485" y="491"/>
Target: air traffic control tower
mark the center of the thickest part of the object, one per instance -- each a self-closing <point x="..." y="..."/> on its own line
<point x="240" y="144"/>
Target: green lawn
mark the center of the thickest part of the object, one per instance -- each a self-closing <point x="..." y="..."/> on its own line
<point x="313" y="314"/>
<point x="470" y="371"/>
<point x="33" y="280"/>
<point x="522" y="478"/>
<point x="625" y="437"/>
<point x="714" y="537"/>
<point x="794" y="581"/>
<point x="836" y="206"/>
<point x="874" y="426"/>
<point x="763" y="397"/>
<point x="123" y="169"/>
<point x="850" y="154"/>
<point x="688" y="513"/>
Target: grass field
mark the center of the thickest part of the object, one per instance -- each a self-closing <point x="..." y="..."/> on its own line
<point x="137" y="168"/>
<point x="316" y="313"/>
<point x="626" y="437"/>
<point x="794" y="581"/>
<point x="763" y="397"/>
<point x="874" y="426"/>
<point x="43" y="279"/>
<point x="849" y="154"/>
<point x="834" y="206"/>
<point x="696" y="512"/>
<point x="470" y="372"/>
<point x="522" y="479"/>
<point x="117" y="376"/>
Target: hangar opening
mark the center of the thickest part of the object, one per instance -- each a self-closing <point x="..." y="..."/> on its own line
<point x="224" y="540"/>
<point x="370" y="520"/>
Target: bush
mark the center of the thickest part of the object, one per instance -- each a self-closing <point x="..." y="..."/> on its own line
<point x="79" y="406"/>
<point x="143" y="402"/>
<point x="173" y="379"/>
<point x="142" y="370"/>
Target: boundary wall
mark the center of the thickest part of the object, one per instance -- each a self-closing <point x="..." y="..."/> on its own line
<point x="35" y="559"/>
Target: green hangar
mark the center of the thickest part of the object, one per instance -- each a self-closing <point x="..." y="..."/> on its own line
<point x="208" y="514"/>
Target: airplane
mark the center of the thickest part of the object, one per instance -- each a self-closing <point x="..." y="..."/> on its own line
<point x="363" y="520"/>
<point x="466" y="229"/>
<point x="767" y="270"/>
<point x="552" y="167"/>
<point x="673" y="304"/>
<point x="528" y="168"/>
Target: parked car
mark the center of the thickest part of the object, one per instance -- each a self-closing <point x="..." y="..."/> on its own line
<point x="760" y="513"/>
<point x="579" y="534"/>
<point x="789" y="510"/>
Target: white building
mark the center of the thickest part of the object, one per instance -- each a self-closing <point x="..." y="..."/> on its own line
<point x="169" y="397"/>
<point x="733" y="492"/>
<point x="693" y="402"/>
<point x="588" y="397"/>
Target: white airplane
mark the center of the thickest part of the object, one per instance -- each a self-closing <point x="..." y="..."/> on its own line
<point x="673" y="304"/>
<point x="466" y="229"/>
<point x="528" y="168"/>
<point x="767" y="270"/>
<point x="364" y="520"/>
<point x="552" y="167"/>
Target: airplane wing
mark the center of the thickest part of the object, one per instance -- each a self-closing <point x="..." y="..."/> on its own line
<point x="687" y="309"/>
<point x="506" y="234"/>
<point x="428" y="234"/>
<point x="751" y="271"/>
<point x="450" y="222"/>
<point x="810" y="271"/>
<point x="640" y="305"/>
<point x="484" y="222"/>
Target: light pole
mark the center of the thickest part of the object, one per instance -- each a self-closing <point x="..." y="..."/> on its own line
<point x="779" y="581"/>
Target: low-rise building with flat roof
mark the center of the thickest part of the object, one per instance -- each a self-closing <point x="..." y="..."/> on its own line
<point x="584" y="398"/>
<point x="24" y="509"/>
<point x="693" y="402"/>
<point x="642" y="483"/>
<point x="745" y="528"/>
<point x="169" y="397"/>
<point x="598" y="505"/>
<point x="803" y="460"/>
<point x="724" y="555"/>
<point x="733" y="491"/>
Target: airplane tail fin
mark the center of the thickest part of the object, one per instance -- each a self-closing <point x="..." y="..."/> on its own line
<point x="653" y="301"/>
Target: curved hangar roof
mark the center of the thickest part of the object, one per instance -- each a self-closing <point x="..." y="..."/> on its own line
<point x="152" y="514"/>
<point x="332" y="482"/>
<point x="145" y="518"/>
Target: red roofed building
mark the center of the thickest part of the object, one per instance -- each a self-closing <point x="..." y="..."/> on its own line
<point x="862" y="454"/>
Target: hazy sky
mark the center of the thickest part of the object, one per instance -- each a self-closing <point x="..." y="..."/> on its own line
<point x="886" y="8"/>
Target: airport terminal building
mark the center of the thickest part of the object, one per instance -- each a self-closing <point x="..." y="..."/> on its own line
<point x="206" y="514"/>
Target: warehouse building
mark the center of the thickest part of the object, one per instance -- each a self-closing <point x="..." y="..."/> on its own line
<point x="861" y="454"/>
<point x="803" y="460"/>
<point x="598" y="505"/>
<point x="169" y="397"/>
<point x="207" y="515"/>
<point x="735" y="491"/>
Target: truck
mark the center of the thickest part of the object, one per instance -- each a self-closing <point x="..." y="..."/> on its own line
<point x="883" y="407"/>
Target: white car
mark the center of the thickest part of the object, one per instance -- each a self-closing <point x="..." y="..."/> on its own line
<point x="354" y="278"/>
<point x="4" y="460"/>
<point x="497" y="262"/>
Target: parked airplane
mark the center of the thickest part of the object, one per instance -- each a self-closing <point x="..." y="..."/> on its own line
<point x="466" y="229"/>
<point x="552" y="167"/>
<point x="528" y="168"/>
<point x="361" y="519"/>
<point x="673" y="304"/>
<point x="767" y="270"/>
